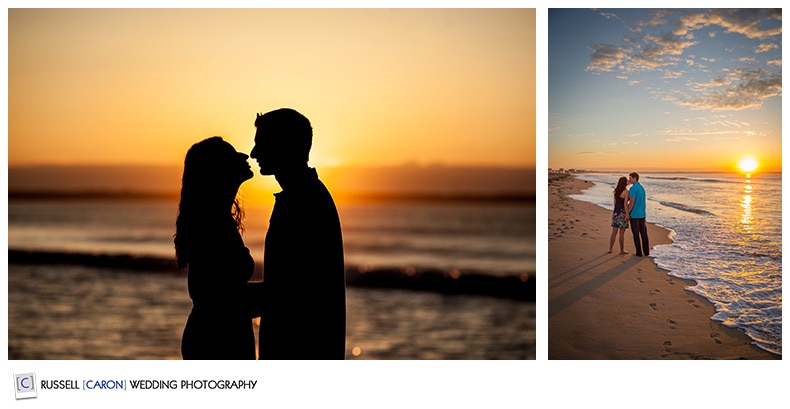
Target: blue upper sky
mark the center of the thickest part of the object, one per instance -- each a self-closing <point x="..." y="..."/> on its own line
<point x="664" y="89"/>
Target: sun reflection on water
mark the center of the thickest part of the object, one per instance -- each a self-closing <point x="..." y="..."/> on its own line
<point x="747" y="219"/>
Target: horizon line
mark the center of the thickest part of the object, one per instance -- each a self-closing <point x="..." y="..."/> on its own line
<point x="348" y="165"/>
<point x="665" y="170"/>
<point x="341" y="196"/>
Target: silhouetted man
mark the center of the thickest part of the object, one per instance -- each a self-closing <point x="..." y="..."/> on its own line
<point x="636" y="212"/>
<point x="303" y="312"/>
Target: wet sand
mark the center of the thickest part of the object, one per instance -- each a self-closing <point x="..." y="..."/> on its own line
<point x="613" y="306"/>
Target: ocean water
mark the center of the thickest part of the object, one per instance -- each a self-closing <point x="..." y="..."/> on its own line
<point x="80" y="312"/>
<point x="497" y="239"/>
<point x="727" y="232"/>
<point x="94" y="312"/>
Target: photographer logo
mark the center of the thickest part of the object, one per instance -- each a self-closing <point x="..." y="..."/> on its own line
<point x="25" y="385"/>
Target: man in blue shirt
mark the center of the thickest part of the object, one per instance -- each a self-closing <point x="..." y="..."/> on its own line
<point x="635" y="213"/>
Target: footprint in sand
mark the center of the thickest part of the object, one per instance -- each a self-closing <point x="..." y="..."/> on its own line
<point x="654" y="292"/>
<point x="715" y="337"/>
<point x="667" y="344"/>
<point x="640" y="280"/>
<point x="670" y="281"/>
<point x="693" y="303"/>
<point x="671" y="324"/>
<point x="653" y="306"/>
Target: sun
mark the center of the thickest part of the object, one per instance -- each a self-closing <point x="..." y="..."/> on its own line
<point x="747" y="165"/>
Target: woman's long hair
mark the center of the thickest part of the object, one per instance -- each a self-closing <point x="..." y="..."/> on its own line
<point x="207" y="193"/>
<point x="621" y="183"/>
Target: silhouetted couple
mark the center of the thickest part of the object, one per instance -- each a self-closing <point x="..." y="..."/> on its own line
<point x="301" y="301"/>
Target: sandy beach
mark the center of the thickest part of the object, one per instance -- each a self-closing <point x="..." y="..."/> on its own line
<point x="612" y="306"/>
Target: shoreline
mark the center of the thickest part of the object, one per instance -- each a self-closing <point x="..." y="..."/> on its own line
<point x="612" y="306"/>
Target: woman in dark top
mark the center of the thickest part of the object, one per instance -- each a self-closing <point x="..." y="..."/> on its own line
<point x="618" y="215"/>
<point x="208" y="244"/>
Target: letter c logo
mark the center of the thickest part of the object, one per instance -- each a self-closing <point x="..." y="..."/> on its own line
<point x="22" y="382"/>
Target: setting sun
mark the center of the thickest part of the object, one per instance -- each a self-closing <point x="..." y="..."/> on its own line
<point x="747" y="165"/>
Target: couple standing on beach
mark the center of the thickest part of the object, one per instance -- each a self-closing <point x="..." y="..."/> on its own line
<point x="629" y="205"/>
<point x="302" y="299"/>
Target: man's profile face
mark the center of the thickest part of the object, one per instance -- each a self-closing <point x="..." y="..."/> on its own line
<point x="264" y="152"/>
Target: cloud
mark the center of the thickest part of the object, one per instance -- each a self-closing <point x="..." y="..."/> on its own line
<point x="600" y="153"/>
<point x="715" y="82"/>
<point x="765" y="47"/>
<point x="657" y="18"/>
<point x="672" y="74"/>
<point x="742" y="89"/>
<point x="606" y="58"/>
<point x="681" y="139"/>
<point x="680" y="135"/>
<point x="649" y="52"/>
<point x="676" y="131"/>
<point x="726" y="123"/>
<point x="610" y="16"/>
<point x="667" y="54"/>
<point x="745" y="22"/>
<point x="655" y="52"/>
<point x="666" y="44"/>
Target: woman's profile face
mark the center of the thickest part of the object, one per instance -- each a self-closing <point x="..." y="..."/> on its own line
<point x="245" y="171"/>
<point x="234" y="163"/>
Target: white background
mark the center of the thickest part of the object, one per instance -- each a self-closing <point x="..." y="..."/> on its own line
<point x="423" y="384"/>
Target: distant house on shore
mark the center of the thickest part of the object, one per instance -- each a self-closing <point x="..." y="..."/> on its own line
<point x="566" y="171"/>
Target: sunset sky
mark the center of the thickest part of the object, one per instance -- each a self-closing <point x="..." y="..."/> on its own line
<point x="664" y="90"/>
<point x="380" y="86"/>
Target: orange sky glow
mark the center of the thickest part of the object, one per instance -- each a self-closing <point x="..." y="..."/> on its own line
<point x="381" y="87"/>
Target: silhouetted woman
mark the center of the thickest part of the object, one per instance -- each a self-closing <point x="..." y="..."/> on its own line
<point x="618" y="214"/>
<point x="209" y="245"/>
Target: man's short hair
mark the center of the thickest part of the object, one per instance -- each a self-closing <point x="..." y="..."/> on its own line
<point x="291" y="130"/>
<point x="634" y="175"/>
